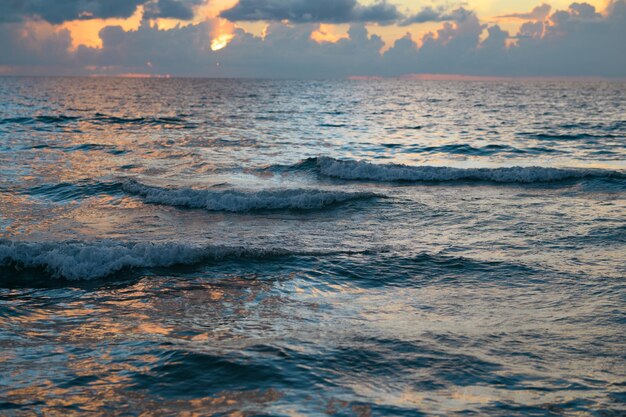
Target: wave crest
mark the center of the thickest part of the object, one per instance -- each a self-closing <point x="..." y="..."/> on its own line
<point x="363" y="170"/>
<point x="98" y="259"/>
<point x="239" y="201"/>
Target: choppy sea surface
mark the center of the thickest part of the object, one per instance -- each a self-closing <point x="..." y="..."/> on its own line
<point x="312" y="248"/>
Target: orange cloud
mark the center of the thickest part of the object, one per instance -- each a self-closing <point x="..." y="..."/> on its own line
<point x="222" y="34"/>
<point x="213" y="8"/>
<point x="329" y="33"/>
<point x="87" y="32"/>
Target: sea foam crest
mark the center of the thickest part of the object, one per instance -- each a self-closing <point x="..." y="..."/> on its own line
<point x="363" y="170"/>
<point x="89" y="260"/>
<point x="243" y="200"/>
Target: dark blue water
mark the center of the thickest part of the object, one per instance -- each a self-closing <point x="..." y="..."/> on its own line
<point x="289" y="248"/>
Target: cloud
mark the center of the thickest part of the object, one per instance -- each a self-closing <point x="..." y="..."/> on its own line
<point x="306" y="11"/>
<point x="149" y="49"/>
<point x="531" y="30"/>
<point x="284" y="52"/>
<point x="452" y="47"/>
<point x="577" y="41"/>
<point x="174" y="9"/>
<point x="59" y="11"/>
<point x="538" y="13"/>
<point x="35" y="48"/>
<point x="289" y="52"/>
<point x="440" y="14"/>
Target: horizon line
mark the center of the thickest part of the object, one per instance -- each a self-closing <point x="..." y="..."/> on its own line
<point x="406" y="77"/>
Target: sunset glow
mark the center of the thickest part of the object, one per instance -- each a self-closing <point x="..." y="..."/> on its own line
<point x="500" y="38"/>
<point x="221" y="41"/>
<point x="329" y="33"/>
<point x="222" y="34"/>
<point x="368" y="208"/>
<point x="87" y="32"/>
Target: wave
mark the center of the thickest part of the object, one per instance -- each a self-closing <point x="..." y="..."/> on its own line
<point x="39" y="119"/>
<point x="99" y="118"/>
<point x="333" y="125"/>
<point x="610" y="126"/>
<point x="98" y="259"/>
<point x="466" y="149"/>
<point x="367" y="171"/>
<point x="570" y="136"/>
<point x="88" y="260"/>
<point x="66" y="191"/>
<point x="406" y="269"/>
<point x="239" y="201"/>
<point x="143" y="121"/>
<point x="84" y="147"/>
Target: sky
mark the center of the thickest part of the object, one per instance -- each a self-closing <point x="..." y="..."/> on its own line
<point x="314" y="38"/>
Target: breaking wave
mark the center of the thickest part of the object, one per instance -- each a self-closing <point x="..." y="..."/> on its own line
<point x="239" y="201"/>
<point x="363" y="170"/>
<point x="98" y="259"/>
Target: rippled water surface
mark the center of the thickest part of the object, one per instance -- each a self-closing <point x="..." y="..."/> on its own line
<point x="289" y="248"/>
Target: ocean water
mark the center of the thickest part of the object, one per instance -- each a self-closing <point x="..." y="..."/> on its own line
<point x="309" y="248"/>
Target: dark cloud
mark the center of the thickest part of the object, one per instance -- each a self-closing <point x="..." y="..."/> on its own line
<point x="538" y="13"/>
<point x="11" y="10"/>
<point x="40" y="50"/>
<point x="531" y="30"/>
<point x="427" y="14"/>
<point x="59" y="11"/>
<point x="440" y="14"/>
<point x="175" y="9"/>
<point x="306" y="11"/>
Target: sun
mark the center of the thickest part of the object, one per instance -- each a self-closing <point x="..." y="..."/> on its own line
<point x="221" y="41"/>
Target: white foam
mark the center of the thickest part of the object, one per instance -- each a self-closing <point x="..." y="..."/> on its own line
<point x="243" y="200"/>
<point x="89" y="260"/>
<point x="363" y="170"/>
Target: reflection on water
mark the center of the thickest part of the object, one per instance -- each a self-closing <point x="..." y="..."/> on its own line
<point x="182" y="247"/>
<point x="207" y="342"/>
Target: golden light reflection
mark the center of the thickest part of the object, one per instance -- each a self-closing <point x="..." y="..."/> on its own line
<point x="221" y="41"/>
<point x="110" y="386"/>
<point x="222" y="35"/>
<point x="27" y="215"/>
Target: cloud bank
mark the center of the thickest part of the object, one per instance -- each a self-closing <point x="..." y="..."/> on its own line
<point x="577" y="41"/>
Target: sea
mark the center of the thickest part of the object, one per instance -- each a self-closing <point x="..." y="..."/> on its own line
<point x="375" y="247"/>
